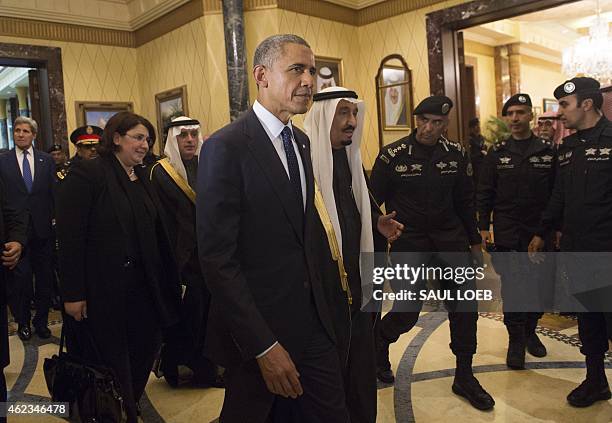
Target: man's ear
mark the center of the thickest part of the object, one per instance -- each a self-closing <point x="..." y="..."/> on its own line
<point x="259" y="72"/>
<point x="587" y="104"/>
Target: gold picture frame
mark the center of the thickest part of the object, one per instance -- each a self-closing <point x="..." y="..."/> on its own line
<point x="329" y="72"/>
<point x="169" y="104"/>
<point x="97" y="113"/>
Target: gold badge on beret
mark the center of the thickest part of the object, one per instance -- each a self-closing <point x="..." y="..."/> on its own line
<point x="89" y="130"/>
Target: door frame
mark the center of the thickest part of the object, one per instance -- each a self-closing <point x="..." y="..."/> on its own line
<point x="49" y="60"/>
<point x="443" y="46"/>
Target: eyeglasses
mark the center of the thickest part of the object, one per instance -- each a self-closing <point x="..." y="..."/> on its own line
<point x="139" y="137"/>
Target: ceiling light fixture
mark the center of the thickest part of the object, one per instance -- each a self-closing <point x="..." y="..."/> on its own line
<point x="590" y="55"/>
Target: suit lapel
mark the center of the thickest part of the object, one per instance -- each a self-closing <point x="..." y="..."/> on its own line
<point x="38" y="168"/>
<point x="116" y="191"/>
<point x="262" y="149"/>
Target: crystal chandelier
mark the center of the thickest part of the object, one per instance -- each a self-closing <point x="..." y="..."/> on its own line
<point x="591" y="55"/>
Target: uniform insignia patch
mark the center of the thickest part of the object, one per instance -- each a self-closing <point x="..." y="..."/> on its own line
<point x="384" y="158"/>
<point x="452" y="164"/>
<point x="569" y="87"/>
<point x="505" y="160"/>
<point x="401" y="168"/>
<point x="605" y="151"/>
<point x="416" y="167"/>
<point x="590" y="151"/>
<point x="534" y="159"/>
<point x="469" y="170"/>
<point x="547" y="158"/>
<point x="394" y="150"/>
<point x="89" y="130"/>
<point x="445" y="108"/>
<point x="522" y="99"/>
<point x="441" y="165"/>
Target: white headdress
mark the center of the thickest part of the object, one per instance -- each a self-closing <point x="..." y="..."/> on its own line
<point x="171" y="150"/>
<point x="318" y="124"/>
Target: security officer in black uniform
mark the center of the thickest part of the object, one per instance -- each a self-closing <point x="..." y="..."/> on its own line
<point x="427" y="180"/>
<point x="515" y="183"/>
<point x="85" y="139"/>
<point x="582" y="200"/>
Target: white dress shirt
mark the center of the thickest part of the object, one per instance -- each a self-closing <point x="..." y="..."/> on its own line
<point x="19" y="153"/>
<point x="273" y="127"/>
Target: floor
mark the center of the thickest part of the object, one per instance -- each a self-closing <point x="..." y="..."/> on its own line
<point x="424" y="367"/>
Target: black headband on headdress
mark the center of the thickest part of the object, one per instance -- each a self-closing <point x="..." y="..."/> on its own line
<point x="189" y="122"/>
<point x="329" y="95"/>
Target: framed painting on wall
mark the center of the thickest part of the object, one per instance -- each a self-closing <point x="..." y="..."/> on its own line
<point x="396" y="98"/>
<point x="99" y="112"/>
<point x="170" y="104"/>
<point x="329" y="73"/>
<point x="550" y="105"/>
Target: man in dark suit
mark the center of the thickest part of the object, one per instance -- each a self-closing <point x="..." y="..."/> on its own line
<point x="28" y="177"/>
<point x="268" y="322"/>
<point x="12" y="239"/>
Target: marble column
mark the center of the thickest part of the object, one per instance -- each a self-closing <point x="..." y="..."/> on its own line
<point x="235" y="57"/>
<point x="22" y="97"/>
<point x="4" y="138"/>
<point x="514" y="65"/>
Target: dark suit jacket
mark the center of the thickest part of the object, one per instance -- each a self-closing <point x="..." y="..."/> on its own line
<point x="93" y="211"/>
<point x="38" y="204"/>
<point x="258" y="259"/>
<point x="13" y="227"/>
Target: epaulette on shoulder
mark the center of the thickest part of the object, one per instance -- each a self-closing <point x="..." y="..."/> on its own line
<point x="456" y="145"/>
<point x="498" y="145"/>
<point x="546" y="142"/>
<point x="389" y="152"/>
<point x="63" y="172"/>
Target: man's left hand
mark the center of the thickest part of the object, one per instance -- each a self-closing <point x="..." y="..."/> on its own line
<point x="11" y="254"/>
<point x="477" y="256"/>
<point x="389" y="227"/>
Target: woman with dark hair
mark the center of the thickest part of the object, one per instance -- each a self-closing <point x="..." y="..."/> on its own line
<point x="118" y="276"/>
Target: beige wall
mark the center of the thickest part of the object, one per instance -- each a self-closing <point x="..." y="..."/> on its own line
<point x="194" y="55"/>
<point x="93" y="73"/>
<point x="539" y="79"/>
<point x="483" y="58"/>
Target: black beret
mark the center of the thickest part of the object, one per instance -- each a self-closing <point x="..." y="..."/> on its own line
<point x="581" y="84"/>
<point x="434" y="105"/>
<point x="54" y="147"/>
<point x="86" y="135"/>
<point x="516" y="100"/>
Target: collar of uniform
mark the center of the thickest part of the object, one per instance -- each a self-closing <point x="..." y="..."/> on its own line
<point x="593" y="134"/>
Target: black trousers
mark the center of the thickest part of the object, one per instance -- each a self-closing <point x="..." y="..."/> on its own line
<point x="37" y="262"/>
<point x="360" y="371"/>
<point x="524" y="287"/>
<point x="247" y="399"/>
<point x="3" y="393"/>
<point x="462" y="315"/>
<point x="592" y="330"/>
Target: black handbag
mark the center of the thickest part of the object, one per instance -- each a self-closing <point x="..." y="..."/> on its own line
<point x="88" y="387"/>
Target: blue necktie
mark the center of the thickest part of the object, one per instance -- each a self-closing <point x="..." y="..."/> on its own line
<point x="292" y="164"/>
<point x="27" y="172"/>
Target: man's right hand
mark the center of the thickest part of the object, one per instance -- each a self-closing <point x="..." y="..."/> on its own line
<point x="535" y="247"/>
<point x="486" y="238"/>
<point x="76" y="309"/>
<point x="279" y="373"/>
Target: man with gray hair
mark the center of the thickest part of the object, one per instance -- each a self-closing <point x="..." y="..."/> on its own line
<point x="28" y="178"/>
<point x="269" y="324"/>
